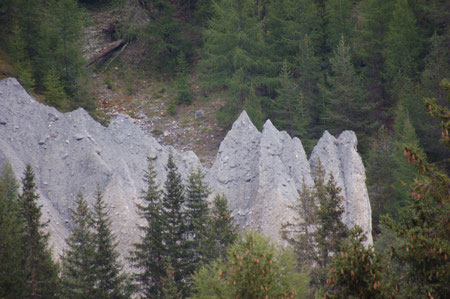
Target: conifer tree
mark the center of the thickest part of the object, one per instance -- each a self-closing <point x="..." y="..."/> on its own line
<point x="380" y="176"/>
<point x="339" y="21"/>
<point x="21" y="61"/>
<point x="12" y="281"/>
<point x="312" y="20"/>
<point x="175" y="228"/>
<point x="184" y="95"/>
<point x="424" y="226"/>
<point x="110" y="281"/>
<point x="170" y="289"/>
<point x="41" y="274"/>
<point x="234" y="55"/>
<point x="357" y="271"/>
<point x="252" y="105"/>
<point x="79" y="259"/>
<point x="320" y="233"/>
<point x="253" y="268"/>
<point x="290" y="113"/>
<point x="347" y="108"/>
<point x="55" y="94"/>
<point x="149" y="255"/>
<point x="197" y="214"/>
<point x="403" y="45"/>
<point x="222" y="231"/>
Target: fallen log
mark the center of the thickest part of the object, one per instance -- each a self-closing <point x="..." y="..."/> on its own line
<point x="108" y="49"/>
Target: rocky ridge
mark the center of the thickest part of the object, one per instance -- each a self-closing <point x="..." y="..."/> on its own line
<point x="261" y="173"/>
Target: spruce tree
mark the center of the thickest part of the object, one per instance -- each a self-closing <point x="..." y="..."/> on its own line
<point x="234" y="55"/>
<point x="424" y="226"/>
<point x="41" y="274"/>
<point x="253" y="268"/>
<point x="197" y="216"/>
<point x="110" y="280"/>
<point x="347" y="108"/>
<point x="170" y="289"/>
<point x="338" y="14"/>
<point x="175" y="229"/>
<point x="12" y="281"/>
<point x="79" y="259"/>
<point x="403" y="46"/>
<point x="289" y="110"/>
<point x="357" y="271"/>
<point x="222" y="231"/>
<point x="149" y="255"/>
<point x="55" y="94"/>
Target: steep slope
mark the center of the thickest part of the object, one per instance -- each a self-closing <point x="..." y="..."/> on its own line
<point x="261" y="173"/>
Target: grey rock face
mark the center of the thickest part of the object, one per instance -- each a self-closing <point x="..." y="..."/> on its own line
<point x="71" y="152"/>
<point x="260" y="173"/>
<point x="340" y="159"/>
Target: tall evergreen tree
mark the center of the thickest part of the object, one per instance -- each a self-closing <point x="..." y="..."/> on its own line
<point x="339" y="21"/>
<point x="253" y="268"/>
<point x="403" y="46"/>
<point x="12" y="281"/>
<point x="175" y="228"/>
<point x="234" y="55"/>
<point x="149" y="255"/>
<point x="110" y="281"/>
<point x="41" y="274"/>
<point x="289" y="110"/>
<point x="55" y="94"/>
<point x="79" y="259"/>
<point x="222" y="231"/>
<point x="347" y="108"/>
<point x="197" y="214"/>
<point x="424" y="227"/>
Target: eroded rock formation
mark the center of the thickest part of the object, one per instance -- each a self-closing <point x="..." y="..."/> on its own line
<point x="261" y="173"/>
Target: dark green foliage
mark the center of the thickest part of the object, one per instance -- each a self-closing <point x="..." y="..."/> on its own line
<point x="289" y="111"/>
<point x="149" y="255"/>
<point x="197" y="216"/>
<point x="253" y="268"/>
<point x="252" y="105"/>
<point x="184" y="95"/>
<point x="234" y="57"/>
<point x="357" y="271"/>
<point x="320" y="233"/>
<point x="110" y="281"/>
<point x="424" y="226"/>
<point x="339" y="17"/>
<point x="12" y="281"/>
<point x="175" y="226"/>
<point x="380" y="175"/>
<point x="170" y="289"/>
<point x="54" y="95"/>
<point x="222" y="231"/>
<point x="41" y="274"/>
<point x="347" y="108"/>
<point x="79" y="259"/>
<point x="403" y="46"/>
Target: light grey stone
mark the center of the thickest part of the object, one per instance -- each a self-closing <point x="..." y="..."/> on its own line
<point x="261" y="173"/>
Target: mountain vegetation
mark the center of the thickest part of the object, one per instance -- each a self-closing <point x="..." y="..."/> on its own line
<point x="308" y="65"/>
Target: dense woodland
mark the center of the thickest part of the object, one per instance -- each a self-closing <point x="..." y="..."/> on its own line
<point x="308" y="65"/>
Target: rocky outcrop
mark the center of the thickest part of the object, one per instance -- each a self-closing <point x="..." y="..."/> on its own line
<point x="261" y="173"/>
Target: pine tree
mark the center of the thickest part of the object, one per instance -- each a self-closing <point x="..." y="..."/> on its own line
<point x="41" y="274"/>
<point x="79" y="259"/>
<point x="170" y="289"/>
<point x="110" y="281"/>
<point x="55" y="94"/>
<point x="403" y="45"/>
<point x="318" y="235"/>
<point x="380" y="176"/>
<point x="424" y="226"/>
<point x="222" y="231"/>
<point x="312" y="20"/>
<point x="339" y="19"/>
<point x="184" y="95"/>
<point x="289" y="109"/>
<point x="175" y="228"/>
<point x="234" y="55"/>
<point x="20" y="59"/>
<point x="254" y="268"/>
<point x="404" y="173"/>
<point x="357" y="271"/>
<point x="347" y="108"/>
<point x="252" y="105"/>
<point x="197" y="214"/>
<point x="12" y="281"/>
<point x="149" y="255"/>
